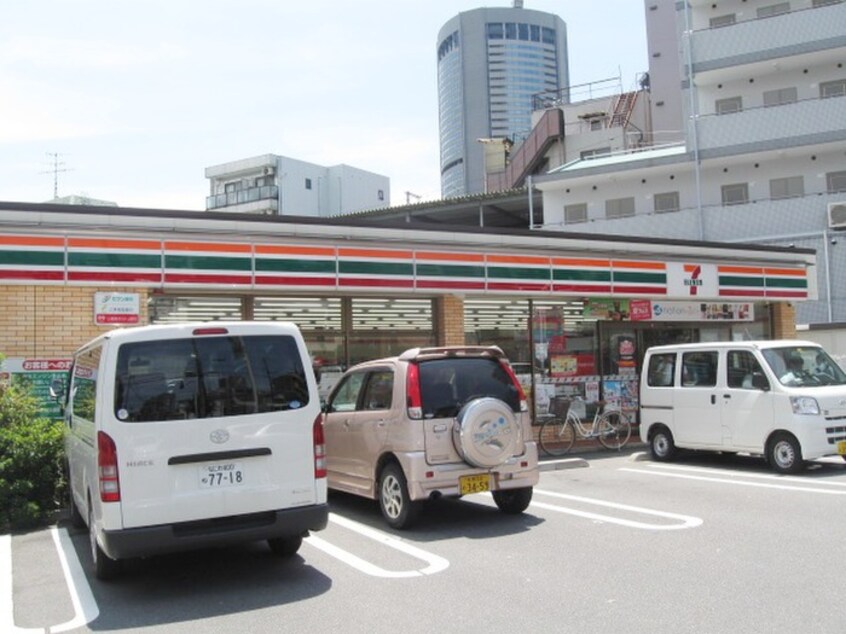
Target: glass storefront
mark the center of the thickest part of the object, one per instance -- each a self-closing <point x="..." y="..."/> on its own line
<point x="565" y="353"/>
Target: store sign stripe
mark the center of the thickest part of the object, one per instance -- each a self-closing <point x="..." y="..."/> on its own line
<point x="114" y="276"/>
<point x="449" y="258"/>
<point x="517" y="286"/>
<point x="287" y="280"/>
<point x="295" y="266"/>
<point x="376" y="282"/>
<point x="740" y="292"/>
<point x="31" y="241"/>
<point x="199" y="278"/>
<point x="298" y="251"/>
<point x="788" y="272"/>
<point x="208" y="247"/>
<point x="578" y="275"/>
<point x="620" y="277"/>
<point x="518" y="273"/>
<point x="581" y="263"/>
<point x="346" y="267"/>
<point x="644" y="266"/>
<point x="33" y="258"/>
<point x="733" y="280"/>
<point x="32" y="275"/>
<point x="450" y="284"/>
<point x="582" y="288"/>
<point x="380" y="254"/>
<point x="786" y="283"/>
<point x="639" y="290"/>
<point x="115" y="259"/>
<point x="206" y="263"/>
<point x="110" y="243"/>
<point x="786" y="294"/>
<point x="445" y="270"/>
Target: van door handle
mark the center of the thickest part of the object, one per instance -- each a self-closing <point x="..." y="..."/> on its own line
<point x="713" y="399"/>
<point x="726" y="395"/>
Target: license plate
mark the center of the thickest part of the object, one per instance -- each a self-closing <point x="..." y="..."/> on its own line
<point x="225" y="474"/>
<point x="841" y="447"/>
<point x="474" y="484"/>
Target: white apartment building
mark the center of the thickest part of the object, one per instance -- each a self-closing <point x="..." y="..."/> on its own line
<point x="744" y="141"/>
<point x="277" y="185"/>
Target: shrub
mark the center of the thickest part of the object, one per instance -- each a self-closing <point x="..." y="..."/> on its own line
<point x="31" y="458"/>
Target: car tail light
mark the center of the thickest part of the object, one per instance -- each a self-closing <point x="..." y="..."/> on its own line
<point x="107" y="468"/>
<point x="319" y="448"/>
<point x="197" y="332"/>
<point x="524" y="404"/>
<point x="414" y="402"/>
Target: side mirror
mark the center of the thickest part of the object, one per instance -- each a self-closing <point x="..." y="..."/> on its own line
<point x="760" y="382"/>
<point x="57" y="389"/>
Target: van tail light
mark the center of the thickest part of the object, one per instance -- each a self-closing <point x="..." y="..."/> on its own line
<point x="524" y="404"/>
<point x="319" y="448"/>
<point x="414" y="402"/>
<point x="107" y="468"/>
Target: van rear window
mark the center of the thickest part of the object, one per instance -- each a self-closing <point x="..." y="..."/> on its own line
<point x="208" y="377"/>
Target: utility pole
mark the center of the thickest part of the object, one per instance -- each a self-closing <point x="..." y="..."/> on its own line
<point x="57" y="166"/>
<point x="409" y="196"/>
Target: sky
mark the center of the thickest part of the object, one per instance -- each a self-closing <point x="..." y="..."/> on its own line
<point x="133" y="100"/>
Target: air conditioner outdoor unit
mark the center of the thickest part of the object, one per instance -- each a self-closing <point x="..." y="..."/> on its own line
<point x="268" y="171"/>
<point x="837" y="215"/>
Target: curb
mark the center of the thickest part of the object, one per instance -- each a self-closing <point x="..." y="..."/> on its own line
<point x="566" y="463"/>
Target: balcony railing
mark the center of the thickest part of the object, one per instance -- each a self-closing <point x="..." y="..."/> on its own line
<point x="807" y="122"/>
<point x="242" y="196"/>
<point x="802" y="31"/>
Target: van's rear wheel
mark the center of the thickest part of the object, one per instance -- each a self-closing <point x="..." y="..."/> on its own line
<point x="398" y="509"/>
<point x="661" y="445"/>
<point x="784" y="454"/>
<point x="285" y="546"/>
<point x="105" y="567"/>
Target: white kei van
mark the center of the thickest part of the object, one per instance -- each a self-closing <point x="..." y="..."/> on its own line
<point x="782" y="399"/>
<point x="194" y="435"/>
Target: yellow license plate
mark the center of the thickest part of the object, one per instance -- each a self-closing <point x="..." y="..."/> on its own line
<point x="841" y="447"/>
<point x="474" y="484"/>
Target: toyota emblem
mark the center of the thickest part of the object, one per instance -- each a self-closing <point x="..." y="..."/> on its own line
<point x="219" y="436"/>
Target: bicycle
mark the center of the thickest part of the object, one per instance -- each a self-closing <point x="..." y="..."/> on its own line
<point x="610" y="427"/>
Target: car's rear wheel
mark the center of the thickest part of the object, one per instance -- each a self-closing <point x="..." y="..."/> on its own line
<point x="398" y="509"/>
<point x="285" y="546"/>
<point x="661" y="445"/>
<point x="784" y="454"/>
<point x="513" y="501"/>
<point x="105" y="567"/>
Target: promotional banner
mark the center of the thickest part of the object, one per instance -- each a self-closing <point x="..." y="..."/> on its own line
<point x="36" y="375"/>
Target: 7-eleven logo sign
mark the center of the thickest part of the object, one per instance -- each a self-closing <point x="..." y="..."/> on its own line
<point x="693" y="278"/>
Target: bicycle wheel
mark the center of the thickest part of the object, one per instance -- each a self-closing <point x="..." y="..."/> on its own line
<point x="614" y="429"/>
<point x="556" y="436"/>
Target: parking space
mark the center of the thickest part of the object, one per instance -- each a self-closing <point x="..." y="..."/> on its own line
<point x="582" y="525"/>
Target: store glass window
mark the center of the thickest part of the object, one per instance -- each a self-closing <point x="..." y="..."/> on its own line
<point x="382" y="327"/>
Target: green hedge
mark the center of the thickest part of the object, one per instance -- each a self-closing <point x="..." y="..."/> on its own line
<point x="32" y="483"/>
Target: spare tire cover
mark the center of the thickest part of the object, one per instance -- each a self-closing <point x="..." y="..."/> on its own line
<point x="486" y="432"/>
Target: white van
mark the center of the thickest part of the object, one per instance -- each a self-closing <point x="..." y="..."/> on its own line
<point x="186" y="436"/>
<point x="782" y="399"/>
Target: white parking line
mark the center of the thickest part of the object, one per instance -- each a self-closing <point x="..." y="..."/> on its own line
<point x="731" y="477"/>
<point x="436" y="563"/>
<point x="84" y="605"/>
<point x="685" y="521"/>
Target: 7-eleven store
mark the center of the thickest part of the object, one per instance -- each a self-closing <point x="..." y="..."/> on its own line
<point x="579" y="309"/>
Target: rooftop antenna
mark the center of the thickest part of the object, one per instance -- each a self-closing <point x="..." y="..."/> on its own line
<point x="518" y="4"/>
<point x="58" y="166"/>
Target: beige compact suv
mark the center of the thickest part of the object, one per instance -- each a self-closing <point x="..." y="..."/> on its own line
<point x="431" y="422"/>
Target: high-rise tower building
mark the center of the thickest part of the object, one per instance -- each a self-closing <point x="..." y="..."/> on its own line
<point x="491" y="62"/>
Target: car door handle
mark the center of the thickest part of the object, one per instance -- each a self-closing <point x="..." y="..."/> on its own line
<point x="713" y="399"/>
<point x="726" y="395"/>
<point x="380" y="423"/>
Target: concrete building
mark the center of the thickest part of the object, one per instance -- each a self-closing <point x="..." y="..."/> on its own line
<point x="278" y="185"/>
<point x="491" y="62"/>
<point x="759" y="90"/>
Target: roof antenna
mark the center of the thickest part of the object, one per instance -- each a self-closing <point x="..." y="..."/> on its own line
<point x="518" y="4"/>
<point x="58" y="166"/>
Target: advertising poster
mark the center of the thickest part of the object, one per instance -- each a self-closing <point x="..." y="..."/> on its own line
<point x="622" y="394"/>
<point x="36" y="375"/>
<point x="117" y="308"/>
